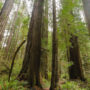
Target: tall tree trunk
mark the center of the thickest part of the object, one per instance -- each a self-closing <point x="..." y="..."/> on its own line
<point x="9" y="39"/>
<point x="32" y="57"/>
<point x="4" y="14"/>
<point x="86" y="5"/>
<point x="75" y="70"/>
<point x="35" y="51"/>
<point x="44" y="43"/>
<point x="12" y="29"/>
<point x="55" y="73"/>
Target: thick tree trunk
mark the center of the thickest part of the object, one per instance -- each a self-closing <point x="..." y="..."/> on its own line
<point x="75" y="70"/>
<point x="55" y="73"/>
<point x="44" y="43"/>
<point x="86" y="5"/>
<point x="35" y="52"/>
<point x="31" y="61"/>
<point x="4" y="14"/>
<point x="24" y="69"/>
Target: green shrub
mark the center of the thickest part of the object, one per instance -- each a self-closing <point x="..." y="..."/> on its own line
<point x="12" y="85"/>
<point x="70" y="85"/>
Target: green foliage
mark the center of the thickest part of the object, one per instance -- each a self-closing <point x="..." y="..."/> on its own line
<point x="49" y="76"/>
<point x="17" y="1"/>
<point x="46" y="83"/>
<point x="12" y="85"/>
<point x="71" y="22"/>
<point x="70" y="85"/>
<point x="1" y="5"/>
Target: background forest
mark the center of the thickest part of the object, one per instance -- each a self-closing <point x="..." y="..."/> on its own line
<point x="44" y="44"/>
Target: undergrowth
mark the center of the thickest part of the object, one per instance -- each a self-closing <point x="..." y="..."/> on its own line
<point x="17" y="85"/>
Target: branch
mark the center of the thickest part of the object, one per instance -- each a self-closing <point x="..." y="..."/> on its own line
<point x="10" y="72"/>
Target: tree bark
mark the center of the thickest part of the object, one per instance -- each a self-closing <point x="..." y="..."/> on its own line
<point x="4" y="15"/>
<point x="55" y="73"/>
<point x="35" y="51"/>
<point x="32" y="57"/>
<point x="75" y="70"/>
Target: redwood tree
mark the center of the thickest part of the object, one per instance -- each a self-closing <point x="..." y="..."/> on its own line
<point x="55" y="73"/>
<point x="31" y="61"/>
<point x="75" y="70"/>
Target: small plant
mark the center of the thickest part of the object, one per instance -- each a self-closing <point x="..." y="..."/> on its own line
<point x="70" y="85"/>
<point x="49" y="76"/>
<point x="12" y="85"/>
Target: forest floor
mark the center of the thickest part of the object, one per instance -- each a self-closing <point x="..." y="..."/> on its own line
<point x="14" y="84"/>
<point x="65" y="84"/>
